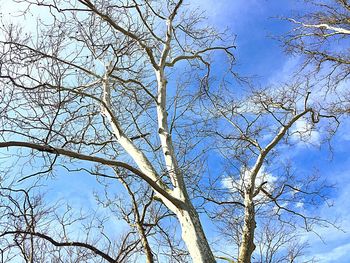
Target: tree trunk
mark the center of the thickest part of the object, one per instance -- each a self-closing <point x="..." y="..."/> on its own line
<point x="247" y="246"/>
<point x="192" y="231"/>
<point x="193" y="235"/>
<point x="145" y="244"/>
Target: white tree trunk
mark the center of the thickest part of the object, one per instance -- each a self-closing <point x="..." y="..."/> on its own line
<point x="192" y="231"/>
<point x="193" y="235"/>
<point x="247" y="246"/>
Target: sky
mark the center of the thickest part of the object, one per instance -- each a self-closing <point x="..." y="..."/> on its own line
<point x="255" y="24"/>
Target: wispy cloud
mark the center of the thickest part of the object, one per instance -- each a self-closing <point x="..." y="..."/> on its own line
<point x="338" y="254"/>
<point x="244" y="178"/>
<point x="335" y="245"/>
<point x="304" y="134"/>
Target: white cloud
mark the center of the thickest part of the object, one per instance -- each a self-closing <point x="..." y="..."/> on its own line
<point x="228" y="182"/>
<point x="244" y="178"/>
<point x="288" y="70"/>
<point x="338" y="254"/>
<point x="299" y="205"/>
<point x="220" y="11"/>
<point x="304" y="134"/>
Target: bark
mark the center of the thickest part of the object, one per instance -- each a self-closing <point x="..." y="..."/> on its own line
<point x="145" y="244"/>
<point x="193" y="235"/>
<point x="192" y="231"/>
<point x="247" y="246"/>
<point x="139" y="223"/>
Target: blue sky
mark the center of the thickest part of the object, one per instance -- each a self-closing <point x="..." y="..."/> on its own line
<point x="254" y="22"/>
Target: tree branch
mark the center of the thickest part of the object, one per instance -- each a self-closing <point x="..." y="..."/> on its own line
<point x="53" y="150"/>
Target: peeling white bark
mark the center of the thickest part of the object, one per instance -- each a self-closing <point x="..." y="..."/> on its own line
<point x="192" y="231"/>
<point x="247" y="245"/>
<point x="194" y="237"/>
<point x="137" y="155"/>
<point x="337" y="30"/>
<point x="165" y="137"/>
<point x="334" y="29"/>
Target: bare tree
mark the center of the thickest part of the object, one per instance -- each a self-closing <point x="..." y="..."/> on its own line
<point x="144" y="215"/>
<point x="126" y="88"/>
<point x="318" y="34"/>
<point x="91" y="84"/>
<point x="276" y="243"/>
<point x="258" y="126"/>
<point x="26" y="232"/>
